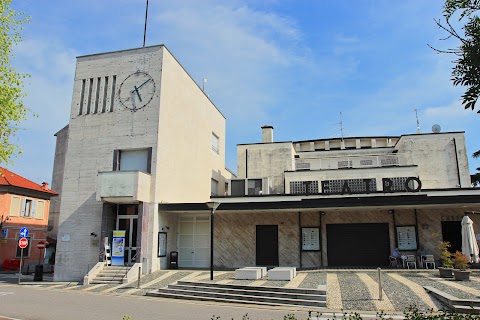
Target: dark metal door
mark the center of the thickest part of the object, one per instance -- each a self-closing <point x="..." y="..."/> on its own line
<point x="358" y="244"/>
<point x="267" y="245"/>
<point x="452" y="232"/>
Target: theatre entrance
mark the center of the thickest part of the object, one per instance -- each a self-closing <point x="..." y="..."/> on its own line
<point x="127" y="219"/>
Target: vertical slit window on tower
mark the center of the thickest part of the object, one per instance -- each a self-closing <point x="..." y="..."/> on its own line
<point x="112" y="97"/>
<point x="105" y="90"/>
<point x="97" y="94"/>
<point x="82" y="96"/>
<point x="89" y="101"/>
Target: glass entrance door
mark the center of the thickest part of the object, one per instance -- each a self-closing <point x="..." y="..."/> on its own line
<point x="127" y="219"/>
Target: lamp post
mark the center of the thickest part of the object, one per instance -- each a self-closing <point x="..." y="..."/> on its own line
<point x="212" y="206"/>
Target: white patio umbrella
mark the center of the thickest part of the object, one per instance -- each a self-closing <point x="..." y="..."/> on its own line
<point x="469" y="243"/>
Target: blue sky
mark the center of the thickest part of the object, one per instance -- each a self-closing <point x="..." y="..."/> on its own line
<point x="292" y="64"/>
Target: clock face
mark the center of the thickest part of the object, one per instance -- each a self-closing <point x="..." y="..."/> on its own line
<point x="137" y="90"/>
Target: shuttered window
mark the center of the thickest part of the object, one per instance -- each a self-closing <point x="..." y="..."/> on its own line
<point x="40" y="209"/>
<point x="14" y="206"/>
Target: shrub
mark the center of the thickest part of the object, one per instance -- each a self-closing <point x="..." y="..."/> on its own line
<point x="460" y="261"/>
<point x="445" y="255"/>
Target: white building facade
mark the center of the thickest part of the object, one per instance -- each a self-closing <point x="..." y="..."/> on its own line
<point x="141" y="132"/>
<point x="343" y="201"/>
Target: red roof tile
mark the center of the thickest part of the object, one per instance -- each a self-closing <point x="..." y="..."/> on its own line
<point x="8" y="178"/>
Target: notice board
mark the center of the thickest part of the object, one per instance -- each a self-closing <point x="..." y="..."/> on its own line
<point x="310" y="239"/>
<point x="406" y="238"/>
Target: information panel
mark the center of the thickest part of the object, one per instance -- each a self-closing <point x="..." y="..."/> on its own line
<point x="406" y="237"/>
<point x="310" y="239"/>
<point x="118" y="248"/>
<point x="162" y="244"/>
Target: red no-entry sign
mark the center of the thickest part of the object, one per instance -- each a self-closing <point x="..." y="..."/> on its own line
<point x="23" y="243"/>
<point x="41" y="245"/>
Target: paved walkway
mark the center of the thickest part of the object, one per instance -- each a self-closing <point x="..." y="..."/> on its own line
<point x="355" y="290"/>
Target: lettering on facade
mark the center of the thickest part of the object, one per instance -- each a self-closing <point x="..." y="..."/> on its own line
<point x="359" y="186"/>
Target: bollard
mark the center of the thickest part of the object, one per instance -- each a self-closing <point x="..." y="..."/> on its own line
<point x="139" y="273"/>
<point x="379" y="284"/>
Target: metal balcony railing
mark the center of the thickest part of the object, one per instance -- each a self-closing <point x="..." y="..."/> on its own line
<point x="365" y="161"/>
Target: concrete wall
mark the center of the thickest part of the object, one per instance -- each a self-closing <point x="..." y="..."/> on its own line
<point x="266" y="160"/>
<point x="438" y="164"/>
<point x="57" y="181"/>
<point x="186" y="162"/>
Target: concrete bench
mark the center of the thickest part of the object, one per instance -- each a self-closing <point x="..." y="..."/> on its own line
<point x="282" y="273"/>
<point x="248" y="274"/>
<point x="262" y="269"/>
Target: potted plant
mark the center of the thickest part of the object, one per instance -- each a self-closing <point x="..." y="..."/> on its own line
<point x="447" y="270"/>
<point x="460" y="262"/>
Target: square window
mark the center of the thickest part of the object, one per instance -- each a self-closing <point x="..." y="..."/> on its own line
<point x="28" y="208"/>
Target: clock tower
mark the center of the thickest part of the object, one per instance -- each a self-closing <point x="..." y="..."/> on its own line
<point x="140" y="133"/>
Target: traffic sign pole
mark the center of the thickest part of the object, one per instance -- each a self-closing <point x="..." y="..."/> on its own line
<point x="20" y="268"/>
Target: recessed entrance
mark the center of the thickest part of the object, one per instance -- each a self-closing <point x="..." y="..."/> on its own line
<point x="360" y="244"/>
<point x="452" y="232"/>
<point x="127" y="219"/>
<point x="267" y="245"/>
<point x="194" y="241"/>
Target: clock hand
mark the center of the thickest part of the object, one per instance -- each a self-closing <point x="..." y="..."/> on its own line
<point x="138" y="93"/>
<point x="143" y="83"/>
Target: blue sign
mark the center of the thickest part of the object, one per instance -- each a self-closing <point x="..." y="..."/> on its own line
<point x="4" y="233"/>
<point x="24" y="232"/>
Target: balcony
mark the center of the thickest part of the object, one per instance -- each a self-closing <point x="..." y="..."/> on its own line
<point x="354" y="162"/>
<point x="123" y="187"/>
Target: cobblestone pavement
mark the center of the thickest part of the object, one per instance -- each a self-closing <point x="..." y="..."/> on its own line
<point x="349" y="290"/>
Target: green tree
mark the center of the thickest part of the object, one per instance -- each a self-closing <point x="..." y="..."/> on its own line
<point x="466" y="71"/>
<point x="12" y="107"/>
<point x="476" y="176"/>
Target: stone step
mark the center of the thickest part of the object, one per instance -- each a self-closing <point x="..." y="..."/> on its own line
<point x="273" y="296"/>
<point x="465" y="309"/>
<point x="322" y="290"/>
<point x="222" y="297"/>
<point x="251" y="291"/>
<point x="96" y="281"/>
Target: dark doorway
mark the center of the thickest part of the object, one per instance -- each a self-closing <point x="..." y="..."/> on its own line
<point x="360" y="245"/>
<point x="267" y="245"/>
<point x="452" y="232"/>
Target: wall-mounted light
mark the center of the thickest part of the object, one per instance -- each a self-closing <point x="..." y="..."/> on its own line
<point x="165" y="228"/>
<point x="391" y="211"/>
<point x="93" y="234"/>
<point x="322" y="213"/>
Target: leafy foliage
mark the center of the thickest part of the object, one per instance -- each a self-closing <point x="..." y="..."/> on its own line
<point x="445" y="255"/>
<point x="476" y="176"/>
<point x="460" y="261"/>
<point x="12" y="108"/>
<point x="466" y="71"/>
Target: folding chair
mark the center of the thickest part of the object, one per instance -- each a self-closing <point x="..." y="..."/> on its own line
<point x="429" y="259"/>
<point x="410" y="260"/>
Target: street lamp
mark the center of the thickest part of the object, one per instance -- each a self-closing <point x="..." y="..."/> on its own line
<point x="212" y="206"/>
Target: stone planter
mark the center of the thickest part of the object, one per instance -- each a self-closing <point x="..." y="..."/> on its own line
<point x="445" y="272"/>
<point x="461" y="275"/>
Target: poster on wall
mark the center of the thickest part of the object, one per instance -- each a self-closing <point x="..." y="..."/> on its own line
<point x="310" y="239"/>
<point x="162" y="244"/>
<point x="118" y="248"/>
<point x="406" y="237"/>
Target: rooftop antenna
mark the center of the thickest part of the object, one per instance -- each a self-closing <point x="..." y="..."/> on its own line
<point x="203" y="86"/>
<point x="418" y="123"/>
<point x="341" y="124"/>
<point x="145" y="28"/>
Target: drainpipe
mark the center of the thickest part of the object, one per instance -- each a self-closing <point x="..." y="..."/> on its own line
<point x="300" y="231"/>
<point x="456" y="159"/>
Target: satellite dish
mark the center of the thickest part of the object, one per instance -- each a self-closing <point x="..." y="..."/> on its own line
<point x="436" y="128"/>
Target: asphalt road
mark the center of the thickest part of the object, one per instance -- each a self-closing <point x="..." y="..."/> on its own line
<point x="35" y="303"/>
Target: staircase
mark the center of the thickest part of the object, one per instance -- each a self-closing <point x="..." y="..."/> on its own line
<point x="111" y="275"/>
<point x="272" y="296"/>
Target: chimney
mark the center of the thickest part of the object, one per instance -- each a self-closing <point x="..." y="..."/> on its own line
<point x="267" y="134"/>
<point x="45" y="185"/>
